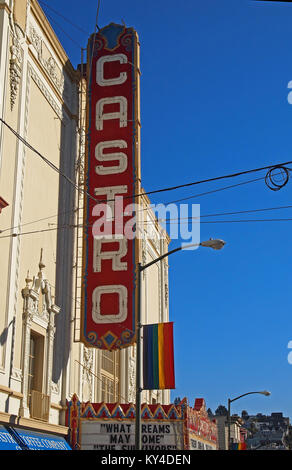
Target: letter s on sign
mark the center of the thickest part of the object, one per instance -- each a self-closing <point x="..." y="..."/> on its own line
<point x="290" y="353"/>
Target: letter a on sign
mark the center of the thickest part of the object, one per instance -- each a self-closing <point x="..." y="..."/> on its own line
<point x="112" y="176"/>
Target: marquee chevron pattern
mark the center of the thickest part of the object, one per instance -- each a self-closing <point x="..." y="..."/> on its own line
<point x="195" y="419"/>
<point x="128" y="411"/>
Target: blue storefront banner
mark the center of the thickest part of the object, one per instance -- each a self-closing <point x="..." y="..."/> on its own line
<point x="12" y="438"/>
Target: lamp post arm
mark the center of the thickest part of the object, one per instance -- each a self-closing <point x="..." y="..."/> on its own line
<point x="230" y="400"/>
<point x="142" y="267"/>
<point x="159" y="259"/>
<point x="240" y="396"/>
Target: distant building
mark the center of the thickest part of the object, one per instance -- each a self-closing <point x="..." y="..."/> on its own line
<point x="267" y="440"/>
<point x="269" y="432"/>
<point x="236" y="434"/>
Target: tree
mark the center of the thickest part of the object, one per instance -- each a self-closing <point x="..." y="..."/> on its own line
<point x="244" y="414"/>
<point x="221" y="411"/>
<point x="210" y="413"/>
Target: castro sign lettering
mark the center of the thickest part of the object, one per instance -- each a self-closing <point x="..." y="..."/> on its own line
<point x="112" y="176"/>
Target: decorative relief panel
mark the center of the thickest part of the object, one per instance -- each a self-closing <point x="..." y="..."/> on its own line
<point x="16" y="60"/>
<point x="132" y="378"/>
<point x="87" y="377"/>
<point x="47" y="60"/>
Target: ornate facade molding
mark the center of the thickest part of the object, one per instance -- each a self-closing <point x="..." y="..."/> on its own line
<point x="132" y="378"/>
<point x="49" y="63"/>
<point x="87" y="377"/>
<point x="38" y="308"/>
<point x="16" y="61"/>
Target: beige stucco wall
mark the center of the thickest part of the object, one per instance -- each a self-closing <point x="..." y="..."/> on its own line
<point x="40" y="196"/>
<point x="38" y="95"/>
<point x="45" y="114"/>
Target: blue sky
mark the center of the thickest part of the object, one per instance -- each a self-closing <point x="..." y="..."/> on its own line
<point x="213" y="102"/>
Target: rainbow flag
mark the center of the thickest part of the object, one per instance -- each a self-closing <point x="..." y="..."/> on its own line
<point x="158" y="357"/>
<point x="238" y="446"/>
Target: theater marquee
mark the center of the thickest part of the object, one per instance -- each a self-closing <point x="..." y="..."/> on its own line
<point x="112" y="177"/>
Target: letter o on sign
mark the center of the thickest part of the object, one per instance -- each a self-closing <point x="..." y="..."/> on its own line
<point x="96" y="304"/>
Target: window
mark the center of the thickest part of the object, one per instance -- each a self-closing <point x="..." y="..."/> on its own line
<point x="110" y="373"/>
<point x="108" y="362"/>
<point x="31" y="365"/>
<point x="109" y="392"/>
<point x="35" y="364"/>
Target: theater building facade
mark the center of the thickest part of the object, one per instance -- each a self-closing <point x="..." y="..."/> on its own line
<point x="42" y="139"/>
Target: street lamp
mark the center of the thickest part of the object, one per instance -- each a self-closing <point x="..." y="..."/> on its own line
<point x="264" y="392"/>
<point x="216" y="245"/>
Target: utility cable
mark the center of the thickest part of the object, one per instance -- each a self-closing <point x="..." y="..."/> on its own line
<point x="63" y="31"/>
<point x="200" y="221"/>
<point x="39" y="220"/>
<point x="93" y="42"/>
<point x="149" y="207"/>
<point x="217" y="178"/>
<point x="48" y="162"/>
<point x="64" y="17"/>
<point x="215" y="190"/>
<point x="218" y="214"/>
<point x="145" y="208"/>
<point x="170" y="188"/>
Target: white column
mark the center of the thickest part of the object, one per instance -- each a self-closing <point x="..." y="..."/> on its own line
<point x="4" y="54"/>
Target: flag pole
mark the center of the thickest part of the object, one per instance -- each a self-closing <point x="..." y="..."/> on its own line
<point x="138" y="437"/>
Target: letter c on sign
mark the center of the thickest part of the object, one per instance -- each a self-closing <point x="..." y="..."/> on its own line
<point x="100" y="80"/>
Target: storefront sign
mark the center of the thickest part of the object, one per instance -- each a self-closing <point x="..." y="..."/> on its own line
<point x="112" y="179"/>
<point x="120" y="435"/>
<point x="13" y="438"/>
<point x="197" y="444"/>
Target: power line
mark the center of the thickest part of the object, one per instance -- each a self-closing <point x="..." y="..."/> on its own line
<point x="217" y="178"/>
<point x="200" y="221"/>
<point x="170" y="188"/>
<point x="63" y="31"/>
<point x="38" y="220"/>
<point x="94" y="37"/>
<point x="215" y="190"/>
<point x="39" y="231"/>
<point x="218" y="214"/>
<point x="48" y="162"/>
<point x="149" y="207"/>
<point x="144" y="209"/>
<point x="229" y="213"/>
<point x="62" y="16"/>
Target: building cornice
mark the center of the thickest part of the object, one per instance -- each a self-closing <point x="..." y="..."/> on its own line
<point x="54" y="89"/>
<point x="34" y="424"/>
<point x="50" y="34"/>
<point x="4" y="6"/>
<point x="10" y="392"/>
